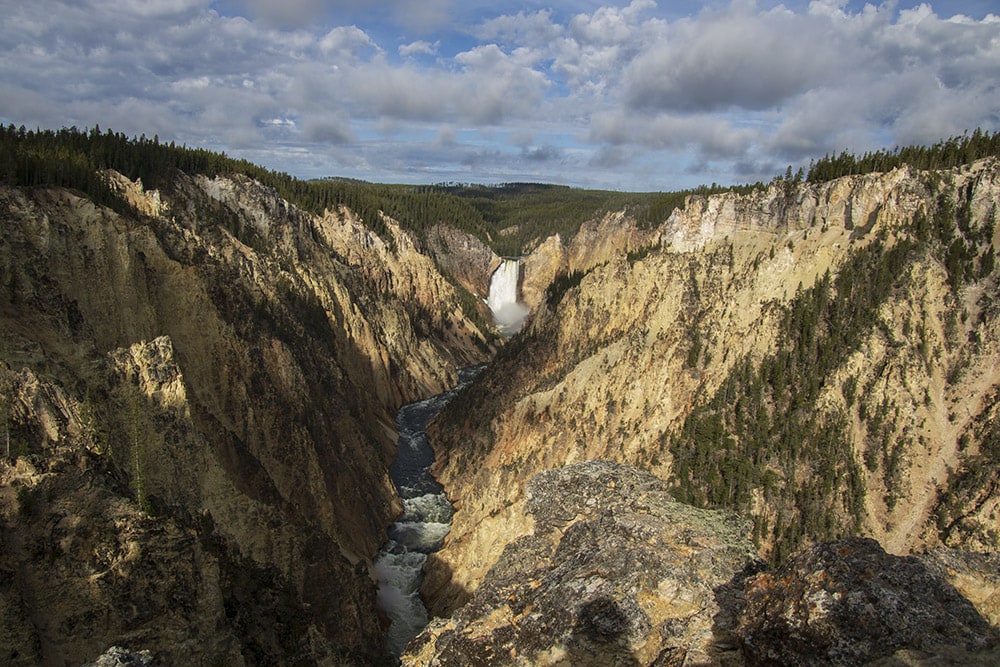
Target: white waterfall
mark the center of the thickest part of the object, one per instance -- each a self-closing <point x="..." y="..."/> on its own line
<point x="508" y="312"/>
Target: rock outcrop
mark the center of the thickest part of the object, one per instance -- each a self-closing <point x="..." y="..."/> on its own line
<point x="470" y="261"/>
<point x="597" y="242"/>
<point x="601" y="240"/>
<point x="615" y="572"/>
<point x="198" y="405"/>
<point x="849" y="603"/>
<point x="540" y="268"/>
<point x="116" y="656"/>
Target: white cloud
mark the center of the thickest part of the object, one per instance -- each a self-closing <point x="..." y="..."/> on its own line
<point x="419" y="47"/>
<point x="535" y="30"/>
<point x="609" y="25"/>
<point x="733" y="59"/>
<point x="346" y="42"/>
<point x="148" y="8"/>
<point x="489" y="88"/>
<point x="808" y="82"/>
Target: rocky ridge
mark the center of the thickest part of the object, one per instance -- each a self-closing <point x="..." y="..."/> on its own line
<point x="199" y="405"/>
<point x="472" y="263"/>
<point x="614" y="571"/>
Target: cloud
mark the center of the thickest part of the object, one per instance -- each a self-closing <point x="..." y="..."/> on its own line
<point x="919" y="79"/>
<point x="445" y="137"/>
<point x="610" y="157"/>
<point x="490" y="87"/>
<point x="612" y="94"/>
<point x="542" y="154"/>
<point x="714" y="137"/>
<point x="346" y="42"/>
<point x="286" y="13"/>
<point x="328" y="129"/>
<point x="733" y="59"/>
<point x="585" y="51"/>
<point x="802" y="84"/>
<point x="151" y="9"/>
<point x="419" y="47"/>
<point x="609" y="25"/>
<point x="413" y="17"/>
<point x="535" y="30"/>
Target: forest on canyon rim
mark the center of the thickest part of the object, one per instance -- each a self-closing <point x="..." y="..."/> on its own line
<point x="201" y="362"/>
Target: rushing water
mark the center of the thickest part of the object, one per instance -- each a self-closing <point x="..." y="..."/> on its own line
<point x="425" y="521"/>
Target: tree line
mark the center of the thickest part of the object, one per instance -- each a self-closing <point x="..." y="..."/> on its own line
<point x="510" y="217"/>
<point x="946" y="154"/>
<point x="78" y="159"/>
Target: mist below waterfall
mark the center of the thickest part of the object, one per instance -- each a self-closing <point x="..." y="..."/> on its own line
<point x="508" y="313"/>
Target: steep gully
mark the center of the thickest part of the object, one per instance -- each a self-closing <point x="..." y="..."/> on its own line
<point x="426" y="517"/>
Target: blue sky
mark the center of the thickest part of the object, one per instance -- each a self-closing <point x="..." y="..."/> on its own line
<point x="638" y="95"/>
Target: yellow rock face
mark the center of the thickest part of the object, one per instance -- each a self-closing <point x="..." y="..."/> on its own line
<point x="612" y="371"/>
<point x="229" y="360"/>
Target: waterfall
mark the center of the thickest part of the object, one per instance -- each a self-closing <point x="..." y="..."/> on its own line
<point x="508" y="312"/>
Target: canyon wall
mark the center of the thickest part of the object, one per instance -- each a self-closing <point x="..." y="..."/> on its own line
<point x="595" y="243"/>
<point x="821" y="357"/>
<point x="470" y="261"/>
<point x="199" y="408"/>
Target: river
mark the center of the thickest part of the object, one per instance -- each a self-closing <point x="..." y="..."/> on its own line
<point x="423" y="525"/>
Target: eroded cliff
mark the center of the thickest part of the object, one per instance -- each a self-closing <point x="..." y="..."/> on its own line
<point x="200" y="402"/>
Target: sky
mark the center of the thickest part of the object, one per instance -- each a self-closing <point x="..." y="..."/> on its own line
<point x="639" y="96"/>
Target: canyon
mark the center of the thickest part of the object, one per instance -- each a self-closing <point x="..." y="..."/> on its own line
<point x="689" y="426"/>
<point x="199" y="410"/>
